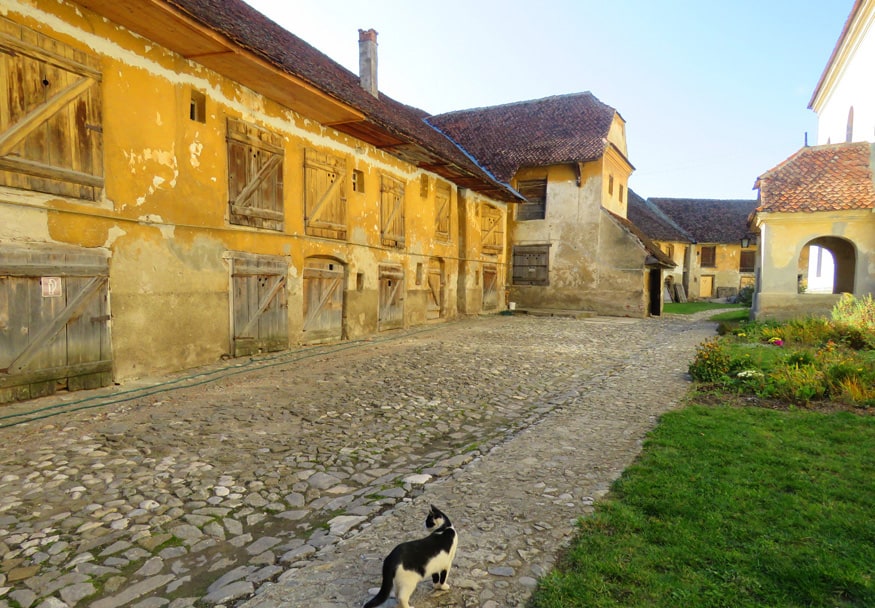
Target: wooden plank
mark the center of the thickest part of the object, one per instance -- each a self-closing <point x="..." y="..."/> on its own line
<point x="38" y="169"/>
<point x="265" y="301"/>
<point x="50" y="374"/>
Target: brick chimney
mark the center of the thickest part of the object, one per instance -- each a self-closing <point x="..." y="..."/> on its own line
<point x="368" y="61"/>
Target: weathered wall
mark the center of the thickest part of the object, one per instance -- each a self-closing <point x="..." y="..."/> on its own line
<point x="787" y="235"/>
<point x="724" y="274"/>
<point x="164" y="213"/>
<point x="594" y="264"/>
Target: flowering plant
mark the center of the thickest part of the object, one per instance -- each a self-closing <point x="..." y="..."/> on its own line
<point x="776" y="341"/>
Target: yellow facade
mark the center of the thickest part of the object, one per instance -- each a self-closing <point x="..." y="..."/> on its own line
<point x="163" y="210"/>
<point x="849" y="235"/>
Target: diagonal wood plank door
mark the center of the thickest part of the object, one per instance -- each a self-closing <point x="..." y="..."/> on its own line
<point x="259" y="309"/>
<point x="391" y="298"/>
<point x="54" y="321"/>
<point x="323" y="300"/>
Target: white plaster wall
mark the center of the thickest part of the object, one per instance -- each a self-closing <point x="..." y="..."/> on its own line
<point x="854" y="86"/>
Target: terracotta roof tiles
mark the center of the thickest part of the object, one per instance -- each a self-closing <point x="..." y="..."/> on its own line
<point x="552" y="130"/>
<point x="653" y="222"/>
<point x="709" y="220"/>
<point x="832" y="177"/>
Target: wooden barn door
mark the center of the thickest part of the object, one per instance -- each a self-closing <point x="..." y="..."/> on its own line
<point x="259" y="309"/>
<point x="490" y="288"/>
<point x="323" y="300"/>
<point x="435" y="294"/>
<point x="54" y="321"/>
<point x="391" y="315"/>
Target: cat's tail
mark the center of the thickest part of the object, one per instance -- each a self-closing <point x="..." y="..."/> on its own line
<point x="381" y="596"/>
<point x="390" y="566"/>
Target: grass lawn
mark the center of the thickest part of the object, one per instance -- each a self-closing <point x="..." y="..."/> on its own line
<point x="688" y="308"/>
<point x="733" y="507"/>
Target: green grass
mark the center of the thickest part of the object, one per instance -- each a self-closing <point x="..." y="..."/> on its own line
<point x="732" y="316"/>
<point x="732" y="507"/>
<point x="688" y="308"/>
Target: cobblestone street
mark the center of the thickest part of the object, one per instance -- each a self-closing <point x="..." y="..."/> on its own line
<point x="284" y="480"/>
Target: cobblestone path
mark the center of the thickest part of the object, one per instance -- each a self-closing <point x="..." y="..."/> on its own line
<point x="284" y="480"/>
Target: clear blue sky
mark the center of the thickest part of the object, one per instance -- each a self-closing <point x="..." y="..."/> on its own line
<point x="714" y="93"/>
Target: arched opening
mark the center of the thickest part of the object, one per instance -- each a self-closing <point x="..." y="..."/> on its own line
<point x="827" y="265"/>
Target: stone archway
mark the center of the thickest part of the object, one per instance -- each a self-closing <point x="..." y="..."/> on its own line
<point x="814" y="260"/>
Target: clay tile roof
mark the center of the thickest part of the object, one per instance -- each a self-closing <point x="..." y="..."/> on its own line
<point x="655" y="254"/>
<point x="709" y="220"/>
<point x="553" y="130"/>
<point x="653" y="222"/>
<point x="833" y="177"/>
<point x="251" y="30"/>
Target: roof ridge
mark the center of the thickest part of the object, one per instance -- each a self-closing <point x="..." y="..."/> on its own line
<point x="520" y="103"/>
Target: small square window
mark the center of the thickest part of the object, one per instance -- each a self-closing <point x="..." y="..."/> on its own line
<point x="358" y="181"/>
<point x="197" y="106"/>
<point x="611" y="185"/>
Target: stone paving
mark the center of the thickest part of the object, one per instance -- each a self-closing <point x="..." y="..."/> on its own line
<point x="284" y="480"/>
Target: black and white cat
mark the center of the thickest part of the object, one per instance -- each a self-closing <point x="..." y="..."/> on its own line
<point x="412" y="562"/>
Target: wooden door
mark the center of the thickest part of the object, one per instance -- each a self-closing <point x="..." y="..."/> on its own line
<point x="490" y="288"/>
<point x="323" y="300"/>
<point x="391" y="299"/>
<point x="435" y="293"/>
<point x="50" y="115"/>
<point x="54" y="321"/>
<point x="706" y="286"/>
<point x="259" y="309"/>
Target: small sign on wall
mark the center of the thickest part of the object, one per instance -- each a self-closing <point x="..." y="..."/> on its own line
<point x="51" y="287"/>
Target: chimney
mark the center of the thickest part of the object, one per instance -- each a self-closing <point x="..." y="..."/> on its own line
<point x="368" y="61"/>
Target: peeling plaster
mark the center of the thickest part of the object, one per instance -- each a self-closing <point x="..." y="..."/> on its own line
<point x="112" y="235"/>
<point x="163" y="158"/>
<point x="195" y="149"/>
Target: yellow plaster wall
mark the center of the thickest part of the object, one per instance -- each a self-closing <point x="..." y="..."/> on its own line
<point x="164" y="212"/>
<point x="785" y="236"/>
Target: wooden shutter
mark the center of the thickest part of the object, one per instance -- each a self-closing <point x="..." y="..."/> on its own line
<point x="259" y="310"/>
<point x="50" y="115"/>
<point x="531" y="265"/>
<point x="491" y="229"/>
<point x="747" y="261"/>
<point x="255" y="176"/>
<point x="392" y="212"/>
<point x="709" y="256"/>
<point x="535" y="207"/>
<point x="325" y="195"/>
<point x="442" y="211"/>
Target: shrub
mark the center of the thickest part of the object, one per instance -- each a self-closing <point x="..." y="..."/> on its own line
<point x="854" y="319"/>
<point x="745" y="296"/>
<point x="796" y="384"/>
<point x="853" y="311"/>
<point x="712" y="362"/>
